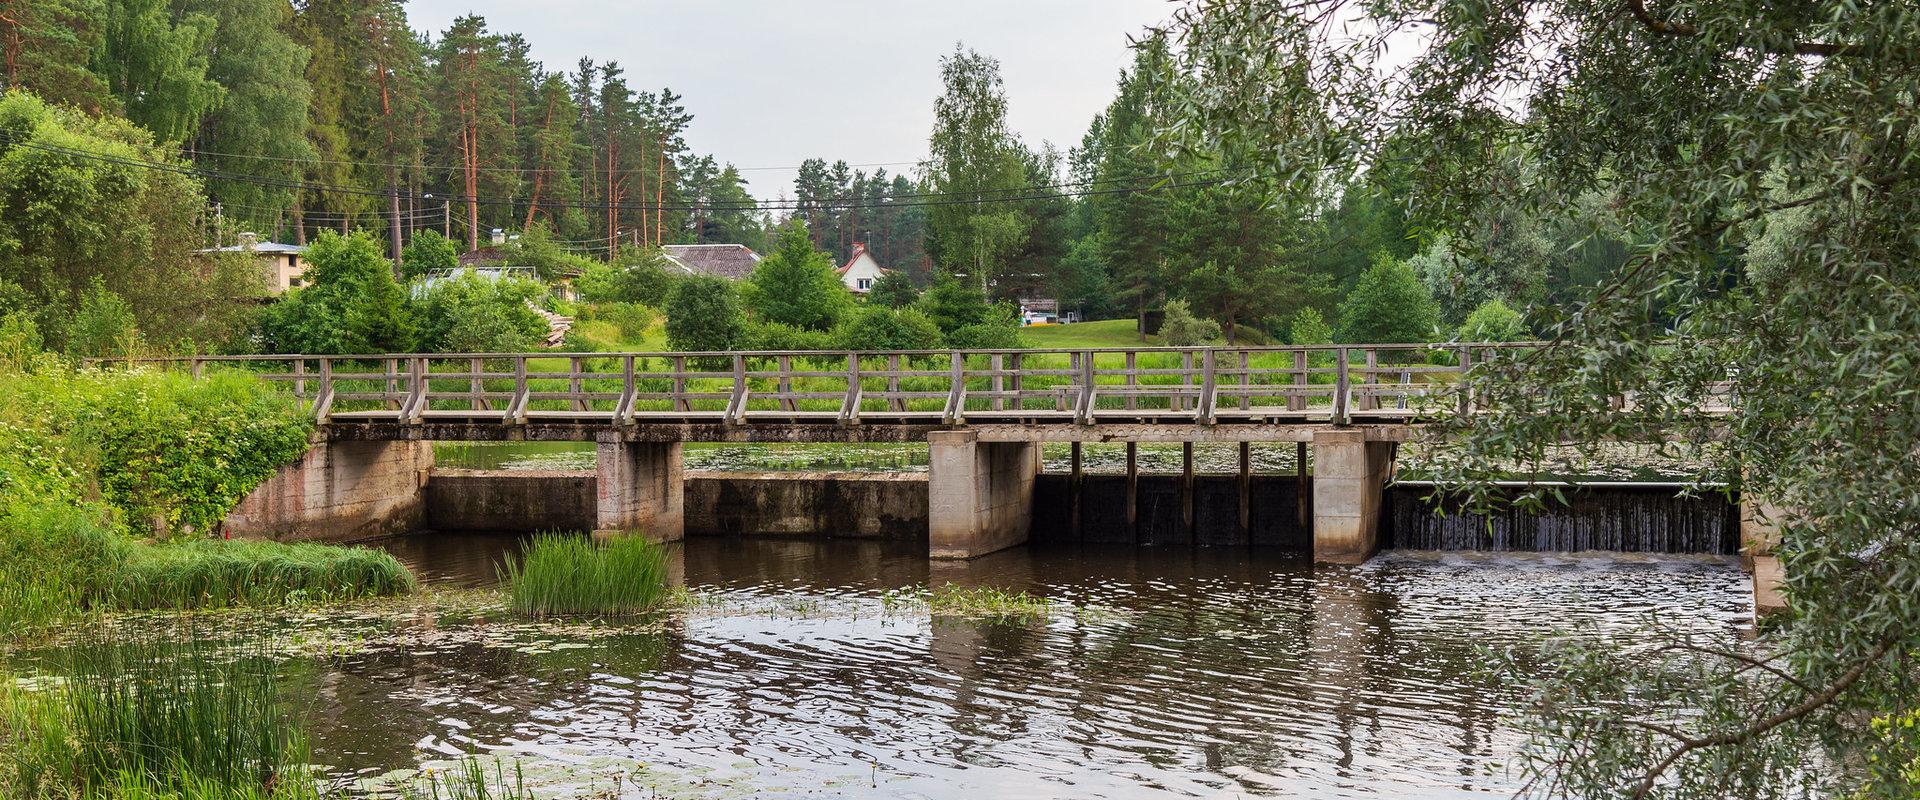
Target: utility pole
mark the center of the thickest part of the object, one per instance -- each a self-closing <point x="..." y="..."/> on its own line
<point x="217" y="224"/>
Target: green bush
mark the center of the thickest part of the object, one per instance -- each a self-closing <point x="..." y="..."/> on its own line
<point x="427" y="252"/>
<point x="703" y="315"/>
<point x="633" y="319"/>
<point x="1493" y="321"/>
<point x="571" y="575"/>
<point x="796" y="285"/>
<point x="775" y="336"/>
<point x="881" y="328"/>
<point x="985" y="336"/>
<point x="1182" y="329"/>
<point x="473" y="314"/>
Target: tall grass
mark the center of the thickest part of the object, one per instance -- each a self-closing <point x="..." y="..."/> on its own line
<point x="201" y="574"/>
<point x="152" y="719"/>
<point x="563" y="575"/>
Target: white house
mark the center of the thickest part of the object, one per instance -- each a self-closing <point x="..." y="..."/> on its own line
<point x="861" y="271"/>
<point x="284" y="264"/>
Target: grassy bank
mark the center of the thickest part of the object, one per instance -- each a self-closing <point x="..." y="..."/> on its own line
<point x="112" y="484"/>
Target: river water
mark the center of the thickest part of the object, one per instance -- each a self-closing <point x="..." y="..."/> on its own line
<point x="1159" y="673"/>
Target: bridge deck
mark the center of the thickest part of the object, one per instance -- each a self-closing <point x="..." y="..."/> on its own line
<point x="1143" y="394"/>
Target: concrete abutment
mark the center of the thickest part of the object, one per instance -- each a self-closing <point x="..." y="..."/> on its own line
<point x="640" y="487"/>
<point x="338" y="492"/>
<point x="979" y="494"/>
<point x="1350" y="476"/>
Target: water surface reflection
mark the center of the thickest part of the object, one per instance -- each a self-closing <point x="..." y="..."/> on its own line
<point x="1220" y="673"/>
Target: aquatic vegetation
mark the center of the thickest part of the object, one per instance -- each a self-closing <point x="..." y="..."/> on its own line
<point x="222" y="573"/>
<point x="570" y="575"/>
<point x="142" y="719"/>
<point x="984" y="601"/>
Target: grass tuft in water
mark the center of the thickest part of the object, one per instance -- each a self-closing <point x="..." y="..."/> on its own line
<point x="984" y="601"/>
<point x="570" y="575"/>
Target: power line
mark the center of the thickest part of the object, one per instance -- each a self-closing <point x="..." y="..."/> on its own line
<point x="196" y="153"/>
<point x="1161" y="182"/>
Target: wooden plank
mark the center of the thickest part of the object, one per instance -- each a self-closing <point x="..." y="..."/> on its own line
<point x="1207" y="387"/>
<point x="1298" y="400"/>
<point x="1340" y="378"/>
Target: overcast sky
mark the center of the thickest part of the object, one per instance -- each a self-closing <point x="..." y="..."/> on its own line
<point x="773" y="82"/>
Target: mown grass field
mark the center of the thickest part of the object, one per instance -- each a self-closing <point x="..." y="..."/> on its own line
<point x="1103" y="333"/>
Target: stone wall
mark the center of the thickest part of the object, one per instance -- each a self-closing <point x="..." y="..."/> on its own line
<point x="483" y="500"/>
<point x="338" y="492"/>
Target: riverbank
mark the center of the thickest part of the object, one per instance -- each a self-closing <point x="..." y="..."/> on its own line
<point x="112" y="483"/>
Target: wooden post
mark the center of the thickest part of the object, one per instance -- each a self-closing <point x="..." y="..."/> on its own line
<point x="1303" y="499"/>
<point x="1186" y="488"/>
<point x="1175" y="401"/>
<point x="786" y="384"/>
<point x="1340" y="386"/>
<point x="391" y="368"/>
<point x="1075" y="483"/>
<point x="680" y="401"/>
<point x="1370" y="401"/>
<point x="1087" y="377"/>
<point x="1246" y="382"/>
<point x="1208" y="383"/>
<point x="629" y="393"/>
<point x="474" y="387"/>
<point x="573" y="384"/>
<point x="1466" y="386"/>
<point x="894" y="403"/>
<point x="197" y="367"/>
<point x="300" y="378"/>
<point x="1019" y="384"/>
<point x="517" y="409"/>
<point x="1133" y="491"/>
<point x="1246" y="492"/>
<point x="850" y="407"/>
<point x="1133" y="379"/>
<point x="1073" y="366"/>
<point x="737" y="405"/>
<point x="999" y="382"/>
<point x="1298" y="402"/>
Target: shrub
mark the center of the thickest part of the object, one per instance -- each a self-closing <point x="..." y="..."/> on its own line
<point x="882" y="328"/>
<point x="1182" y="329"/>
<point x="570" y="575"/>
<point x="775" y="336"/>
<point x="796" y="286"/>
<point x="1493" y="321"/>
<point x="953" y="304"/>
<point x="473" y="314"/>
<point x="985" y="336"/>
<point x="894" y="289"/>
<point x="1389" y="304"/>
<point x="633" y="319"/>
<point x="703" y="314"/>
<point x="1308" y="327"/>
<point x="427" y="252"/>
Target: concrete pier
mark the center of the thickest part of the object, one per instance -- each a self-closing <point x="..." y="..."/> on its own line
<point x="1760" y="524"/>
<point x="1350" y="475"/>
<point x="979" y="494"/>
<point x="639" y="488"/>
<point x="338" y="492"/>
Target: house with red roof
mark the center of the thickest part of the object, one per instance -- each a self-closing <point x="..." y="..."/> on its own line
<point x="861" y="271"/>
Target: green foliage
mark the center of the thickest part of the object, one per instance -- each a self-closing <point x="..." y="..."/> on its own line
<point x="637" y="276"/>
<point x="469" y="313"/>
<point x="536" y="248"/>
<point x="973" y="153"/>
<point x="427" y="252"/>
<point x="632" y="319"/>
<point x="953" y="304"/>
<point x="703" y="315"/>
<point x="775" y="336"/>
<point x="571" y="575"/>
<point x="1509" y="267"/>
<point x="1493" y="321"/>
<point x="68" y="221"/>
<point x="213" y="574"/>
<point x="1388" y="304"/>
<point x="1308" y="327"/>
<point x="1000" y="330"/>
<point x="880" y="328"/>
<point x="796" y="285"/>
<point x="103" y="325"/>
<point x="1660" y="145"/>
<point x="351" y="305"/>
<point x="893" y="289"/>
<point x="1182" y="329"/>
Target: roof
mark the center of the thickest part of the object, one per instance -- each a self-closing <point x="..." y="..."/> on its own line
<point x="257" y="247"/>
<point x="860" y="249"/>
<point x="731" y="261"/>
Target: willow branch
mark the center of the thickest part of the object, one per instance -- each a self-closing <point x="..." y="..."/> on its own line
<point x="1684" y="30"/>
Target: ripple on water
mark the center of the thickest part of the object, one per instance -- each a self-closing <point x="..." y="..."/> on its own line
<point x="1215" y="674"/>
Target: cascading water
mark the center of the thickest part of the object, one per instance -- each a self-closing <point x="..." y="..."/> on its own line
<point x="1627" y="518"/>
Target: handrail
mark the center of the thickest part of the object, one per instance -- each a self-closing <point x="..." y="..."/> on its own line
<point x="1336" y="383"/>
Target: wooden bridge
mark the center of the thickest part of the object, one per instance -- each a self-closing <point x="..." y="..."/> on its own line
<point x="983" y="414"/>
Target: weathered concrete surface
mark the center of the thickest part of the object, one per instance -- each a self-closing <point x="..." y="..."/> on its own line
<point x="1760" y="526"/>
<point x="1350" y="474"/>
<point x="638" y="488"/>
<point x="1176" y="428"/>
<point x="521" y="500"/>
<point x="836" y="505"/>
<point x="337" y="492"/>
<point x="979" y="494"/>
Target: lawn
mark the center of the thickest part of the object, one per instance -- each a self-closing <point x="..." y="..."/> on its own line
<point x="1104" y="333"/>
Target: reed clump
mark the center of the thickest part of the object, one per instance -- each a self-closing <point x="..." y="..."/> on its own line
<point x="984" y="601"/>
<point x="571" y="575"/>
<point x="202" y="574"/>
<point x="150" y="720"/>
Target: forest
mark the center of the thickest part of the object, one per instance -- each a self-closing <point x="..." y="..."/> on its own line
<point x="337" y="115"/>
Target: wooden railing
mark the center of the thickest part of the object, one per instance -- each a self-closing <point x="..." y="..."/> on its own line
<point x="1334" y="383"/>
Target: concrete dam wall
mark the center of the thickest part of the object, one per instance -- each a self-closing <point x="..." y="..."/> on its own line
<point x="893" y="506"/>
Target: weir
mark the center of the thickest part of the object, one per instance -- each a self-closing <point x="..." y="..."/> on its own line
<point x="984" y="415"/>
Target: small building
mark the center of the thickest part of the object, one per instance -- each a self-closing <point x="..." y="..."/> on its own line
<point x="861" y="271"/>
<point x="285" y="264"/>
<point x="731" y="261"/>
<point x="1044" y="311"/>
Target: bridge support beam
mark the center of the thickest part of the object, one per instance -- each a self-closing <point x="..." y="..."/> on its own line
<point x="1349" y="479"/>
<point x="980" y="494"/>
<point x="1760" y="524"/>
<point x="338" y="492"/>
<point x="640" y="488"/>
